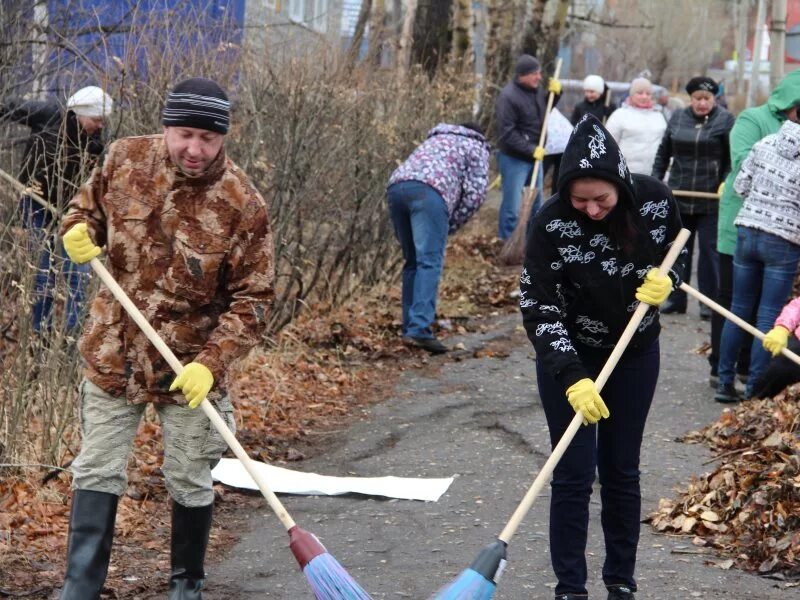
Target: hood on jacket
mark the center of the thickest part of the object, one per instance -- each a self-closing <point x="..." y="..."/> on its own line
<point x="447" y="129"/>
<point x="786" y="94"/>
<point x="787" y="143"/>
<point x="592" y="152"/>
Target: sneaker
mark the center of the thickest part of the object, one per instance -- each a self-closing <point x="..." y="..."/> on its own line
<point x="713" y="381"/>
<point x="620" y="592"/>
<point x="571" y="597"/>
<point x="727" y="394"/>
<point x="431" y="345"/>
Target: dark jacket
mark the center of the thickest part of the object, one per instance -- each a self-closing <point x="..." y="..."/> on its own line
<point x="58" y="155"/>
<point x="578" y="285"/>
<point x="519" y="113"/>
<point x="700" y="155"/>
<point x="597" y="108"/>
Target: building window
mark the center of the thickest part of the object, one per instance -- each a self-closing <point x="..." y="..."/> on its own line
<point x="296" y="10"/>
<point x="320" y="15"/>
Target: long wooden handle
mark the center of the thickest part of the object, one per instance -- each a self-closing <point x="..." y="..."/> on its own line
<point x="211" y="413"/>
<point x="27" y="191"/>
<point x="732" y="317"/>
<point x="551" y="98"/>
<point x="547" y="470"/>
<point x="691" y="194"/>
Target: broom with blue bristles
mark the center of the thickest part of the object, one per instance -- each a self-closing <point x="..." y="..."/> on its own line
<point x="328" y="579"/>
<point x="479" y="581"/>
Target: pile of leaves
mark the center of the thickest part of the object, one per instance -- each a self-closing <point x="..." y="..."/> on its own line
<point x="748" y="508"/>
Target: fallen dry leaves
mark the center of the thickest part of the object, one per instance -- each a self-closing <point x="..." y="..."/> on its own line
<point x="748" y="508"/>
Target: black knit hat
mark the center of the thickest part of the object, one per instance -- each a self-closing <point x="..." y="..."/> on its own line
<point x="199" y="103"/>
<point x="526" y="64"/>
<point x="705" y="84"/>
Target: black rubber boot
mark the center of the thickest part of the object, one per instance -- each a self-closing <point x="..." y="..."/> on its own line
<point x="91" y="532"/>
<point x="190" y="530"/>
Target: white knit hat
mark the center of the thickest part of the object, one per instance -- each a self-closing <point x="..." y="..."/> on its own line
<point x="594" y="83"/>
<point x="90" y="101"/>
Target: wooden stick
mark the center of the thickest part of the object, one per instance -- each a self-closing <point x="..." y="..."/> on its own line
<point x="512" y="251"/>
<point x="735" y="319"/>
<point x="691" y="194"/>
<point x="27" y="191"/>
<point x="211" y="413"/>
<point x="547" y="470"/>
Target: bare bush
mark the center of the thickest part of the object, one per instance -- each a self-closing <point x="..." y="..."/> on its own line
<point x="317" y="139"/>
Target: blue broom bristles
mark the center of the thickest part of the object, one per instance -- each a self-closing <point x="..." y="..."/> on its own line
<point x="330" y="581"/>
<point x="470" y="585"/>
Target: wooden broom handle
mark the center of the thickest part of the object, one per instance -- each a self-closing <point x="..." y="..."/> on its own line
<point x="547" y="470"/>
<point x="27" y="191"/>
<point x="691" y="194"/>
<point x="211" y="413"/>
<point x="551" y="98"/>
<point x="732" y="317"/>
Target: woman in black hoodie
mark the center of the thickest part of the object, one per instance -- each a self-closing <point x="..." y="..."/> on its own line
<point x="592" y="253"/>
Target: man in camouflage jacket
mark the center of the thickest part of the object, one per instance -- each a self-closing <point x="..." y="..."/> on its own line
<point x="188" y="239"/>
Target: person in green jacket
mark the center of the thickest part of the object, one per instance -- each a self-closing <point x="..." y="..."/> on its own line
<point x="751" y="125"/>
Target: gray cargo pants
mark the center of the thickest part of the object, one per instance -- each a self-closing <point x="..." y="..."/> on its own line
<point x="192" y="447"/>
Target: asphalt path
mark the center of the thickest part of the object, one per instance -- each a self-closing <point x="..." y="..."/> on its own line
<point x="479" y="418"/>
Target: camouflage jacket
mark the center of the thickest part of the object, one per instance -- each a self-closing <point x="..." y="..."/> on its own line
<point x="193" y="253"/>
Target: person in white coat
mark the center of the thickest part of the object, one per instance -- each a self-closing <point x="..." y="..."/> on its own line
<point x="638" y="127"/>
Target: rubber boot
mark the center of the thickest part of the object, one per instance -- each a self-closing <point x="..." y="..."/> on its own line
<point x="190" y="531"/>
<point x="91" y="531"/>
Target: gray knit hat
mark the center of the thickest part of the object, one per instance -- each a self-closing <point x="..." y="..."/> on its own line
<point x="197" y="102"/>
<point x="527" y="64"/>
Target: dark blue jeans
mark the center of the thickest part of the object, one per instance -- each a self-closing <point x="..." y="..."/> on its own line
<point x="704" y="229"/>
<point x="50" y="263"/>
<point x="515" y="174"/>
<point x="611" y="448"/>
<point x="421" y="223"/>
<point x="763" y="264"/>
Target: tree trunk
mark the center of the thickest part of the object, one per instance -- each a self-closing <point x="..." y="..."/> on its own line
<point x="500" y="22"/>
<point x="377" y="30"/>
<point x="462" y="50"/>
<point x="404" y="46"/>
<point x="541" y="38"/>
<point x="432" y="34"/>
<point x="358" y="35"/>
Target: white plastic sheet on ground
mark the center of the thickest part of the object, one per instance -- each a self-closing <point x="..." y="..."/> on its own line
<point x="230" y="472"/>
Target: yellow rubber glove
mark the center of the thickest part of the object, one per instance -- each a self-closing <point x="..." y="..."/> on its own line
<point x="195" y="381"/>
<point x="776" y="340"/>
<point x="585" y="399"/>
<point x="79" y="246"/>
<point x="721" y="189"/>
<point x="655" y="288"/>
<point x="554" y="86"/>
<point x="538" y="154"/>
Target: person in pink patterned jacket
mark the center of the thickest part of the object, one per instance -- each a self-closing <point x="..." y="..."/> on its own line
<point x="787" y="324"/>
<point x="434" y="192"/>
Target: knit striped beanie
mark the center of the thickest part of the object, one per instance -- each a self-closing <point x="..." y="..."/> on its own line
<point x="199" y="103"/>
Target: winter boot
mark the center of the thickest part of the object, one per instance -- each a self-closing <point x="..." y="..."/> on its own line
<point x="190" y="530"/>
<point x="91" y="531"/>
<point x="620" y="592"/>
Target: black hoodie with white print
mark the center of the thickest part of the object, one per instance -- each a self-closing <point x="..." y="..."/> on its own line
<point x="578" y="284"/>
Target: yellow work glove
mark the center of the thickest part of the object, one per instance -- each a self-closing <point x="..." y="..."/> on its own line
<point x="655" y="288"/>
<point x="195" y="382"/>
<point x="721" y="189"/>
<point x="776" y="340"/>
<point x="538" y="154"/>
<point x="585" y="399"/>
<point x="554" y="86"/>
<point x="79" y="246"/>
